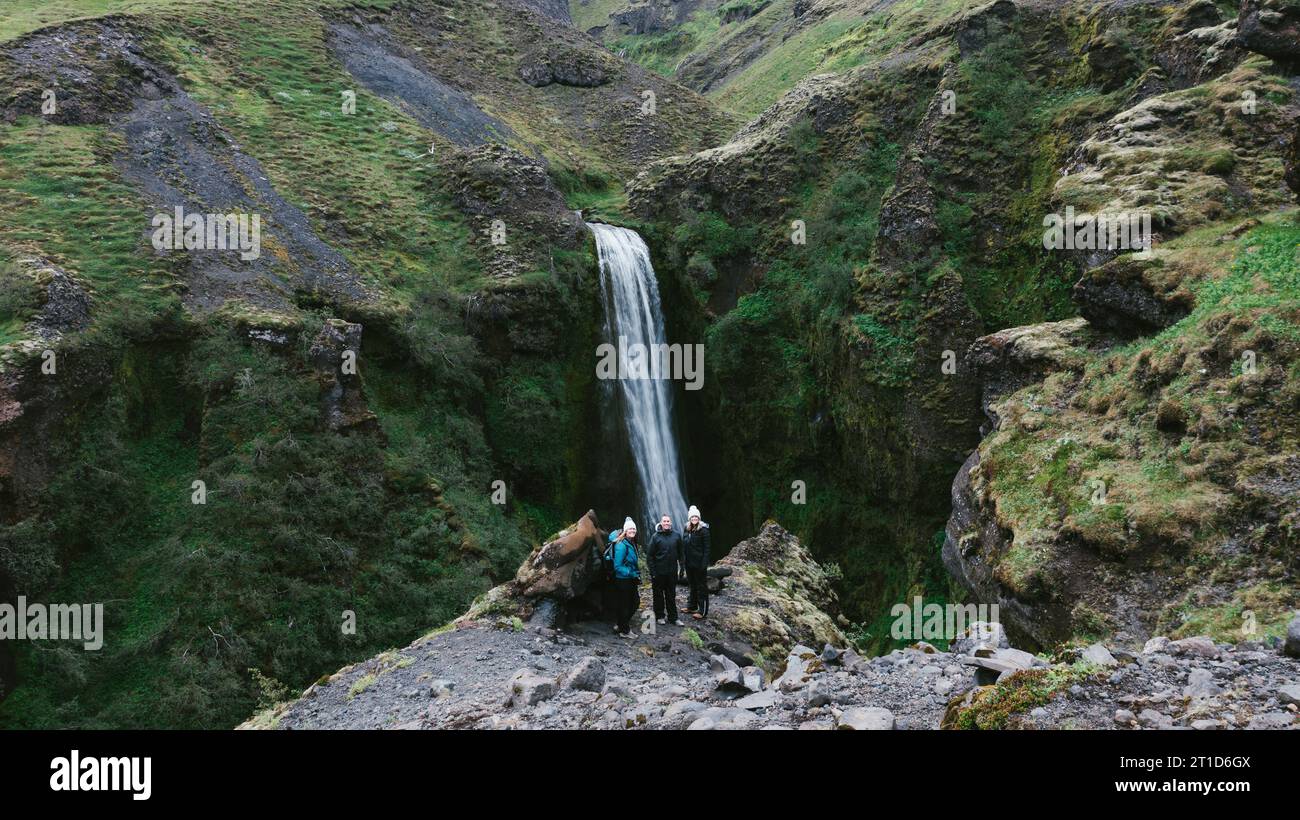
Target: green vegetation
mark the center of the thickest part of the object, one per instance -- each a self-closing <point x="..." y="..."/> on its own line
<point x="301" y="525"/>
<point x="693" y="638"/>
<point x="994" y="707"/>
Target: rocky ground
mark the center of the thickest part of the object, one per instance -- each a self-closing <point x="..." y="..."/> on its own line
<point x="499" y="672"/>
<point x="493" y="676"/>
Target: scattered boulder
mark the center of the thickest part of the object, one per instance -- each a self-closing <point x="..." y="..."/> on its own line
<point x="527" y="688"/>
<point x="758" y="700"/>
<point x="991" y="665"/>
<point x="1157" y="644"/>
<point x="588" y="675"/>
<point x="737" y="655"/>
<point x="1200" y="684"/>
<point x="799" y="666"/>
<point x="1289" y="694"/>
<point x="1272" y="720"/>
<point x="726" y="675"/>
<point x="865" y="719"/>
<point x="1199" y="646"/>
<point x="722" y="718"/>
<point x="1152" y="719"/>
<point x="1099" y="655"/>
<point x="979" y="634"/>
<point x="441" y="688"/>
<point x="1291" y="646"/>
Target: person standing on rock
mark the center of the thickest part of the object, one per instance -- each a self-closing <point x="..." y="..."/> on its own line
<point x="622" y="552"/>
<point x="665" y="554"/>
<point x="696" y="543"/>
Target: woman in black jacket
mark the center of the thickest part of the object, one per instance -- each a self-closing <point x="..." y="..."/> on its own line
<point x="696" y="543"/>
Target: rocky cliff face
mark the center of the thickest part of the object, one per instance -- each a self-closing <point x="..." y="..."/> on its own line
<point x="1135" y="460"/>
<point x="1166" y="112"/>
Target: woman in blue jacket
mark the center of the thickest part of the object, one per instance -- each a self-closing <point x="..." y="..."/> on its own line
<point x="623" y="553"/>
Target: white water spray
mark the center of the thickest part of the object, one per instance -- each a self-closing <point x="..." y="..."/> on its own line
<point x="630" y="292"/>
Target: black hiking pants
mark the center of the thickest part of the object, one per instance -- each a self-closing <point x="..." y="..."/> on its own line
<point x="626" y="602"/>
<point x="699" y="597"/>
<point x="665" y="595"/>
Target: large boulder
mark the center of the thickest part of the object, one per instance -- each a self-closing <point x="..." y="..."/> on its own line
<point x="527" y="688"/>
<point x="587" y="675"/>
<point x="781" y="595"/>
<point x="1133" y="296"/>
<point x="562" y="570"/>
<point x="1272" y="28"/>
<point x="564" y="567"/>
<point x="579" y="68"/>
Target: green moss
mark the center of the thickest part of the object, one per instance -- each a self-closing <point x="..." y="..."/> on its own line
<point x="993" y="707"/>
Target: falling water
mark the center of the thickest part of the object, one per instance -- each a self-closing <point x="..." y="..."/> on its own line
<point x="631" y="295"/>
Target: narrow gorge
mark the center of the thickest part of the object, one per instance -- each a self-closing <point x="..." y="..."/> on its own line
<point x="848" y="276"/>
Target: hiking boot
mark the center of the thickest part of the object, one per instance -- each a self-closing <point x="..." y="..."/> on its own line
<point x="678" y="622"/>
<point x="628" y="635"/>
<point x="697" y="616"/>
<point x="662" y="621"/>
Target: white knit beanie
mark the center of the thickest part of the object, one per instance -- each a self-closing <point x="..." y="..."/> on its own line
<point x="628" y="522"/>
<point x="694" y="510"/>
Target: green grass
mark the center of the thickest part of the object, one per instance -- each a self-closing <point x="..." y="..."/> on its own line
<point x="662" y="52"/>
<point x="19" y="17"/>
<point x="837" y="43"/>
<point x="593" y="12"/>
<point x="63" y="199"/>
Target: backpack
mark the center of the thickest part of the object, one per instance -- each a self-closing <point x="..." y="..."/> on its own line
<point x="607" y="561"/>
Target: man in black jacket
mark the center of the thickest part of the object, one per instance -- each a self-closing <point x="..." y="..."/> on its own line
<point x="695" y="539"/>
<point x="665" y="555"/>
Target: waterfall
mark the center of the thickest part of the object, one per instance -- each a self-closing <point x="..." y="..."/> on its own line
<point x="633" y="314"/>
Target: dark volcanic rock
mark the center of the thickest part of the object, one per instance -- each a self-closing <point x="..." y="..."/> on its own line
<point x="1010" y="359"/>
<point x="580" y="68"/>
<point x="335" y="356"/>
<point x="1272" y="28"/>
<point x="555" y="9"/>
<point x="96" y="69"/>
<point x="1128" y="295"/>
